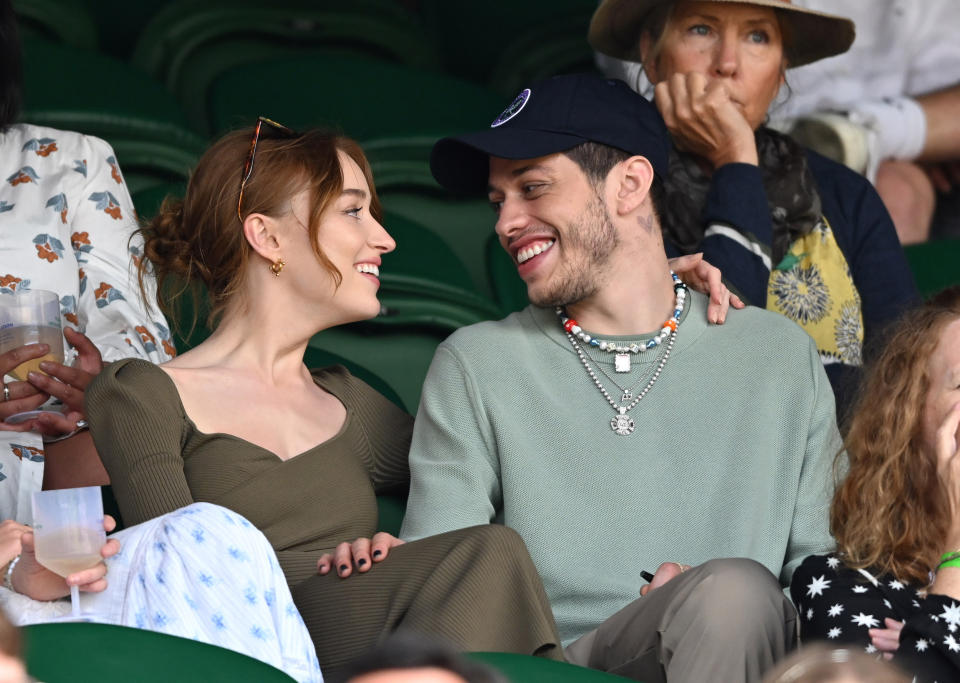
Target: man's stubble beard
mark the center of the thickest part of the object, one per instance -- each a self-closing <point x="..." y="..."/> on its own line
<point x="591" y="240"/>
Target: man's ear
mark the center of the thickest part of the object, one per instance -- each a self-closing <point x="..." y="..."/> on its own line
<point x="261" y="232"/>
<point x="634" y="177"/>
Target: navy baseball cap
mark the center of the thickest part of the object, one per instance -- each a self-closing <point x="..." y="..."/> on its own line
<point x="552" y="116"/>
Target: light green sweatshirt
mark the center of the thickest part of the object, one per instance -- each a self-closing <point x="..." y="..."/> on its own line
<point x="731" y="456"/>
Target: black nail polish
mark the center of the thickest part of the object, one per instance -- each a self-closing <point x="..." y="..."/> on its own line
<point x="361" y="563"/>
<point x="343" y="568"/>
<point x="377" y="553"/>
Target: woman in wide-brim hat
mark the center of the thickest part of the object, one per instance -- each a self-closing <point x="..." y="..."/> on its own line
<point x="791" y="230"/>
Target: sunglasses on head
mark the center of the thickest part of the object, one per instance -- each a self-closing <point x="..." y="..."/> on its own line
<point x="263" y="123"/>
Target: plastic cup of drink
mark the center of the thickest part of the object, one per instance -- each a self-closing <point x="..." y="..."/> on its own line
<point x="68" y="532"/>
<point x="31" y="317"/>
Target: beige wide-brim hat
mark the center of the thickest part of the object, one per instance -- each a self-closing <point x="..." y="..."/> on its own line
<point x="615" y="29"/>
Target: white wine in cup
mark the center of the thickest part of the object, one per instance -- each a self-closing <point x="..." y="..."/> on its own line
<point x="68" y="533"/>
<point x="31" y="317"/>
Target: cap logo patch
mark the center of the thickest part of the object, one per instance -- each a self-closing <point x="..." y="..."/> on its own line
<point x="515" y="108"/>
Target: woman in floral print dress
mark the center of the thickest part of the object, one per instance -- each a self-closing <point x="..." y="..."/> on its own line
<point x="894" y="583"/>
<point x="66" y="219"/>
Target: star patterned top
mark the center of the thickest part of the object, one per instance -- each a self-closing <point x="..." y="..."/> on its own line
<point x="841" y="605"/>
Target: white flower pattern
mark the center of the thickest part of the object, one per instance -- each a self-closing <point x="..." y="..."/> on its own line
<point x="930" y="638"/>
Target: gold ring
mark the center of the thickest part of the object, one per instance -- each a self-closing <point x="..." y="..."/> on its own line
<point x="6" y="393"/>
<point x="681" y="567"/>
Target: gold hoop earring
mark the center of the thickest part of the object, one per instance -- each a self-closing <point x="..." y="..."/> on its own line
<point x="277" y="266"/>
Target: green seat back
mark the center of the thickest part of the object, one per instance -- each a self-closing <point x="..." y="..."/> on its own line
<point x="149" y="199"/>
<point x="390" y="511"/>
<point x="121" y="22"/>
<point x="62" y="21"/>
<point x="321" y="358"/>
<point x="365" y="98"/>
<point x="464" y="224"/>
<point x="509" y="289"/>
<point x="421" y="252"/>
<point x="935" y="265"/>
<point x="189" y="45"/>
<point x="399" y="354"/>
<point x="100" y="653"/>
<point x="472" y="34"/>
<point x="555" y="45"/>
<point x="74" y="89"/>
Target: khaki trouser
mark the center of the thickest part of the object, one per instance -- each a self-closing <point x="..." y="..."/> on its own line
<point x="726" y="620"/>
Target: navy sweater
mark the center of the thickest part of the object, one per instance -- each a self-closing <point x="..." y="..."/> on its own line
<point x="861" y="225"/>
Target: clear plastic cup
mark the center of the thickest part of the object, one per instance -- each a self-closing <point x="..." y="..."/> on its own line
<point x="68" y="532"/>
<point x="31" y="317"/>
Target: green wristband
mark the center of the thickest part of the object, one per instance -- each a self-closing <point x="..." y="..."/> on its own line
<point x="950" y="560"/>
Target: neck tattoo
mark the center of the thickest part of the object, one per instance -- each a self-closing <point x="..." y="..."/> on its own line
<point x="621" y="423"/>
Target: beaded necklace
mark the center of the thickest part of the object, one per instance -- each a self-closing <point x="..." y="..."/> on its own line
<point x="621" y="423"/>
<point x="623" y="351"/>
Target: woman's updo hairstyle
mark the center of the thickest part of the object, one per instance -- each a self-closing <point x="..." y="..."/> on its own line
<point x="199" y="240"/>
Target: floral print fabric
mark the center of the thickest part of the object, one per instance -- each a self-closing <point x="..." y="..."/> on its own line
<point x="201" y="572"/>
<point x="66" y="219"/>
<point x="813" y="286"/>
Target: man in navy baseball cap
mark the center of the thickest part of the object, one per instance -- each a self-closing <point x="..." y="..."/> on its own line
<point x="608" y="423"/>
<point x="555" y="115"/>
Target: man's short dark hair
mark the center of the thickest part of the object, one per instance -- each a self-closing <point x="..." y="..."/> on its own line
<point x="596" y="160"/>
<point x="408" y="650"/>
<point x="11" y="77"/>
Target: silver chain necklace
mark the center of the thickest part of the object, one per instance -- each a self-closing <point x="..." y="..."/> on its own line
<point x="621" y="423"/>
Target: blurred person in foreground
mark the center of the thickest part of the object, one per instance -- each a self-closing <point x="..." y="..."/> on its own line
<point x="823" y="664"/>
<point x="413" y="658"/>
<point x="12" y="669"/>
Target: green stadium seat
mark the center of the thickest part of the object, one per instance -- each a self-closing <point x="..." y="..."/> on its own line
<point x="188" y="45"/>
<point x="320" y="358"/>
<point x="121" y="22"/>
<point x="101" y="653"/>
<point x="509" y="289"/>
<point x="390" y="511"/>
<point x="934" y="264"/>
<point x="398" y="354"/>
<point x="61" y="21"/>
<point x="557" y="45"/>
<point x="365" y="98"/>
<point x="464" y="224"/>
<point x="473" y="34"/>
<point x="148" y="200"/>
<point x="422" y="253"/>
<point x="74" y="89"/>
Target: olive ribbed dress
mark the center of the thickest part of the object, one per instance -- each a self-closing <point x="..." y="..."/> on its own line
<point x="476" y="587"/>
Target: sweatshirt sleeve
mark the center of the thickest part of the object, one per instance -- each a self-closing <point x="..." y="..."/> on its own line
<point x="739" y="230"/>
<point x="454" y="466"/>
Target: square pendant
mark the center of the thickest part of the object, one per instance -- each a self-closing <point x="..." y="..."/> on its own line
<point x="621" y="362"/>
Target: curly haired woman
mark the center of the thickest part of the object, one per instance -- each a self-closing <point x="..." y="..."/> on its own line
<point x="894" y="583"/>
